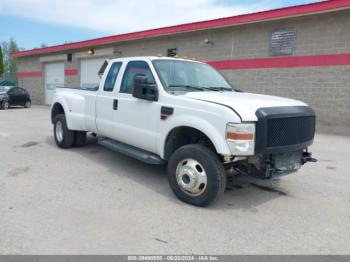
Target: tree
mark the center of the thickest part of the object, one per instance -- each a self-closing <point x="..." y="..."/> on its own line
<point x="10" y="63"/>
<point x="2" y="69"/>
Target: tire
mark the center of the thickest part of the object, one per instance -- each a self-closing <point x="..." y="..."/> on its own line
<point x="79" y="138"/>
<point x="28" y="104"/>
<point x="196" y="159"/>
<point x="65" y="137"/>
<point x="5" y="105"/>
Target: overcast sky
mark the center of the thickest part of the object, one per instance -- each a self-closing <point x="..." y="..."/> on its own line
<point x="36" y="22"/>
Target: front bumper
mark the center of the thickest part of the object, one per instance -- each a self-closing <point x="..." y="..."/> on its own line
<point x="283" y="135"/>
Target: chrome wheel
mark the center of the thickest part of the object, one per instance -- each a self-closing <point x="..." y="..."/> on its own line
<point x="5" y="105"/>
<point x="28" y="104"/>
<point x="59" y="131"/>
<point x="191" y="177"/>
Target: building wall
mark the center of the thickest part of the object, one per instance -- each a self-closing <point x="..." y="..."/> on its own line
<point x="316" y="34"/>
<point x="72" y="79"/>
<point x="35" y="85"/>
<point x="326" y="89"/>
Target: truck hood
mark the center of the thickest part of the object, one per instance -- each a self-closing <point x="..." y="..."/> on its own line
<point x="244" y="104"/>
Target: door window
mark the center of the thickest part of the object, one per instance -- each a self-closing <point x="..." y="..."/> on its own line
<point x="112" y="77"/>
<point x="22" y="91"/>
<point x="13" y="92"/>
<point x="135" y="68"/>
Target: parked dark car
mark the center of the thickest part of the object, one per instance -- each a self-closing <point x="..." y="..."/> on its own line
<point x="14" y="96"/>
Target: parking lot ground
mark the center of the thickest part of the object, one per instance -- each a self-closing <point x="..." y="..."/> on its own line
<point x="91" y="200"/>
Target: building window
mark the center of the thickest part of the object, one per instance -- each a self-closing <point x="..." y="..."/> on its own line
<point x="69" y="57"/>
<point x="283" y="42"/>
<point x="172" y="52"/>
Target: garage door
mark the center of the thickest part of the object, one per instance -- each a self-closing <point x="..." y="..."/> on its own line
<point x="89" y="72"/>
<point x="54" y="76"/>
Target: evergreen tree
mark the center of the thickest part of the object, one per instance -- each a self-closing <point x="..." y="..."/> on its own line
<point x="10" y="63"/>
<point x="2" y="69"/>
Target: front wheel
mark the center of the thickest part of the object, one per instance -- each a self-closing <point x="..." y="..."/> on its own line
<point x="196" y="175"/>
<point x="5" y="105"/>
<point x="64" y="137"/>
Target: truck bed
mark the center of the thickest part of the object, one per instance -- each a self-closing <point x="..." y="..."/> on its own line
<point x="81" y="103"/>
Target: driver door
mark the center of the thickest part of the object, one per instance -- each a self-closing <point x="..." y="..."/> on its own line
<point x="137" y="120"/>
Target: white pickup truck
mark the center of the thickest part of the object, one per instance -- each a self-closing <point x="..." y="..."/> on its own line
<point x="186" y="114"/>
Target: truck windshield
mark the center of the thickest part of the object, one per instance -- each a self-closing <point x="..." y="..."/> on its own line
<point x="186" y="76"/>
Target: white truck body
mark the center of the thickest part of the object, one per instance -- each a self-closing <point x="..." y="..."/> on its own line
<point x="137" y="122"/>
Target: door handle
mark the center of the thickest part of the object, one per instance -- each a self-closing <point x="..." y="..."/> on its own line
<point x="115" y="104"/>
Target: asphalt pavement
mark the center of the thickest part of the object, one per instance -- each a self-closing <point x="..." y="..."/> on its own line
<point x="91" y="200"/>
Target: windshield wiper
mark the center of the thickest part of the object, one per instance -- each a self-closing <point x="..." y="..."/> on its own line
<point x="188" y="87"/>
<point x="203" y="88"/>
<point x="219" y="88"/>
<point x="227" y="89"/>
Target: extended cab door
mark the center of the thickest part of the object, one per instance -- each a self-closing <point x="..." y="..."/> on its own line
<point x="136" y="120"/>
<point x="106" y="102"/>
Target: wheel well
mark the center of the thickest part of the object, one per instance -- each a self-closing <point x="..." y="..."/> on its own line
<point x="182" y="136"/>
<point x="56" y="110"/>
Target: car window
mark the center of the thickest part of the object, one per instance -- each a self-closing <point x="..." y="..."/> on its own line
<point x="135" y="68"/>
<point x="22" y="91"/>
<point x="112" y="77"/>
<point x="17" y="91"/>
<point x="13" y="91"/>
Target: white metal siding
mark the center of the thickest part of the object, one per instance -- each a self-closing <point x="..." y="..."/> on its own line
<point x="89" y="72"/>
<point x="54" y="76"/>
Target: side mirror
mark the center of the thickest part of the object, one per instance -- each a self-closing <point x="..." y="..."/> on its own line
<point x="142" y="89"/>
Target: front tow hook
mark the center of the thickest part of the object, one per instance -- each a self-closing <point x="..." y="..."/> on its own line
<point x="307" y="157"/>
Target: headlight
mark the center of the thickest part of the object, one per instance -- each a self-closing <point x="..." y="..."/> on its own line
<point x="241" y="139"/>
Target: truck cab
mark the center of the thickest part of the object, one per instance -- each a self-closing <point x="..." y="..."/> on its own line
<point x="185" y="114"/>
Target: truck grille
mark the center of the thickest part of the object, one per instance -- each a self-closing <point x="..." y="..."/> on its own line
<point x="290" y="131"/>
<point x="283" y="129"/>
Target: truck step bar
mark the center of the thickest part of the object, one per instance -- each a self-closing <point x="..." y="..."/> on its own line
<point x="131" y="151"/>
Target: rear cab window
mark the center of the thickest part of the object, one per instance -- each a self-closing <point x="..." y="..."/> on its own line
<point x="112" y="77"/>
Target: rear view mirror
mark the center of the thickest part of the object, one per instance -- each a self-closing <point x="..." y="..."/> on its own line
<point x="143" y="89"/>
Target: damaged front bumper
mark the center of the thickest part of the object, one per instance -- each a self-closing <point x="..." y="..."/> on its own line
<point x="269" y="166"/>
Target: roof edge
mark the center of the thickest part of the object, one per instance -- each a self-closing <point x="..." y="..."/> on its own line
<point x="286" y="12"/>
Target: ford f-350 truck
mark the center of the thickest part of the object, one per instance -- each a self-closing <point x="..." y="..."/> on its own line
<point x="185" y="114"/>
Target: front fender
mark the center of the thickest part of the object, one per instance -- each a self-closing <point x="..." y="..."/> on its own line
<point x="5" y="99"/>
<point x="216" y="136"/>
